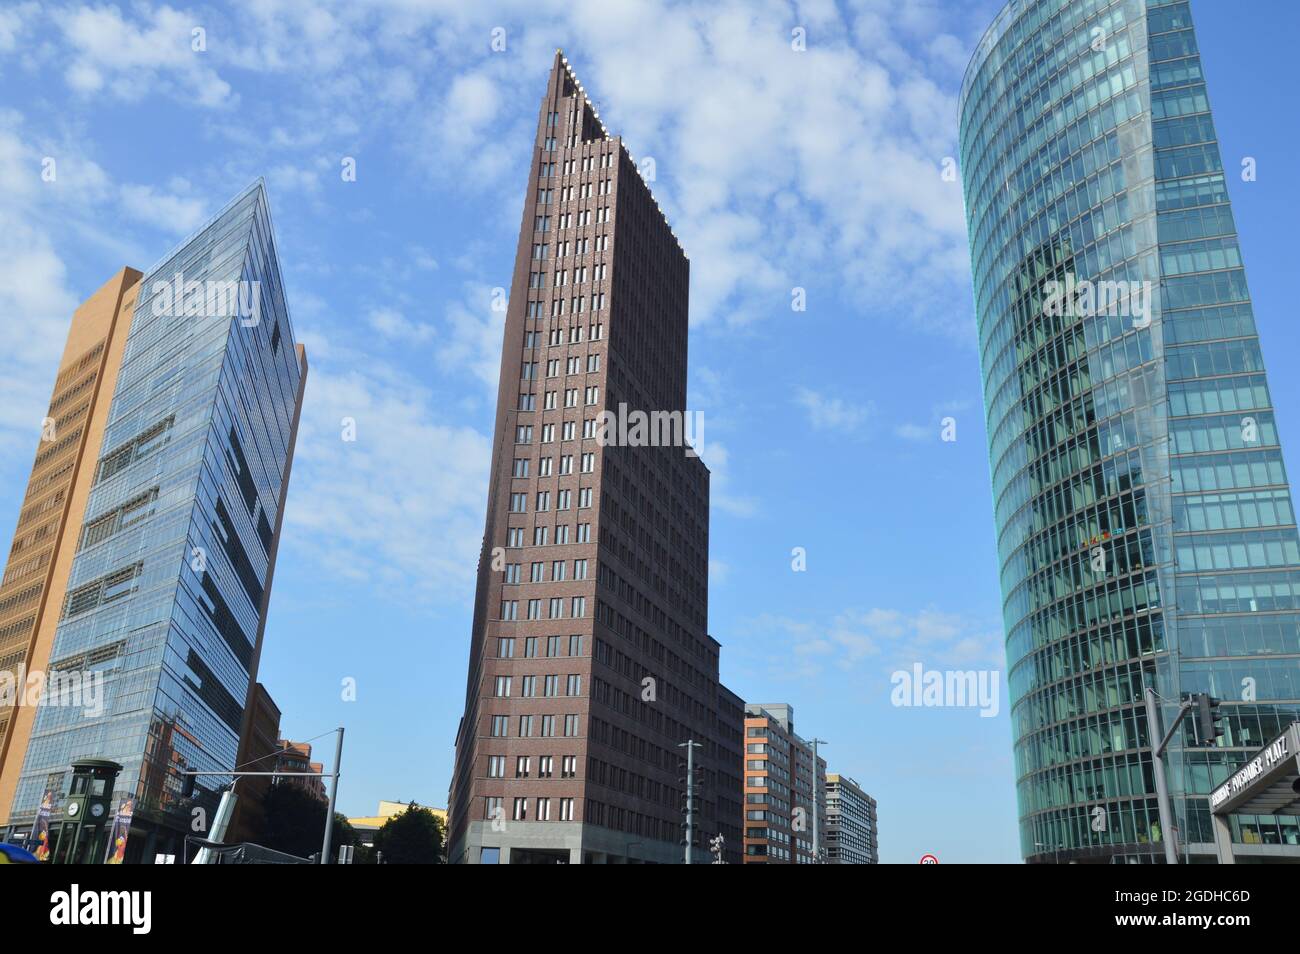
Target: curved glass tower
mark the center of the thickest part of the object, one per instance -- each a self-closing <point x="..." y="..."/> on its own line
<point x="1144" y="521"/>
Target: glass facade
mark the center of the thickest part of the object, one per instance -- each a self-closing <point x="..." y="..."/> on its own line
<point x="1144" y="520"/>
<point x="168" y="588"/>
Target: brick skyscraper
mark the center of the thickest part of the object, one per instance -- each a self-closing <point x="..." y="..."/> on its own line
<point x="590" y="659"/>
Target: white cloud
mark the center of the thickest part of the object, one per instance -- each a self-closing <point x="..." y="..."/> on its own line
<point x="423" y="259"/>
<point x="719" y="572"/>
<point x="288" y="177"/>
<point x="832" y="413"/>
<point x="892" y="638"/>
<point x="722" y="493"/>
<point x="474" y="335"/>
<point x="941" y="414"/>
<point x="15" y="20"/>
<point x="401" y="507"/>
<point x="133" y="58"/>
<point x="168" y="212"/>
<point x="36" y="301"/>
<point x="915" y="432"/>
<point x="392" y="324"/>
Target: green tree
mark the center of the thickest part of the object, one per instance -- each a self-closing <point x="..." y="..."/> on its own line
<point x="294" y="822"/>
<point x="411" y="838"/>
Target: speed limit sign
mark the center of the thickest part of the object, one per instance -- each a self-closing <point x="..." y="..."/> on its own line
<point x="929" y="860"/>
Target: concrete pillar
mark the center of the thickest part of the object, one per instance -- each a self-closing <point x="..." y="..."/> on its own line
<point x="1223" y="839"/>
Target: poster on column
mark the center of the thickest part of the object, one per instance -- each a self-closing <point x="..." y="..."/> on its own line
<point x="38" y="842"/>
<point x="121" y="829"/>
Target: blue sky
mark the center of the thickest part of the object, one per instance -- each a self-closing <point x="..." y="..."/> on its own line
<point x="778" y="169"/>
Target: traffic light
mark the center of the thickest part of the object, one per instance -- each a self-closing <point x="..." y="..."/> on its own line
<point x="187" y="786"/>
<point x="1208" y="717"/>
<point x="716" y="845"/>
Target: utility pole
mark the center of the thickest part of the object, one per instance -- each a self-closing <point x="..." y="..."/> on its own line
<point x="690" y="745"/>
<point x="817" y="834"/>
<point x="334" y="792"/>
<point x="1158" y="770"/>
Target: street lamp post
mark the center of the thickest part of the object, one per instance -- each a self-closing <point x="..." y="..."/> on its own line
<point x="690" y="745"/>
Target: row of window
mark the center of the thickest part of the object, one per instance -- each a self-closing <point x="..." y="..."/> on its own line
<point x="524" y="432"/>
<point x="545" y="724"/>
<point x="524" y="766"/>
<point x="574" y="365"/>
<point x="577" y="305"/>
<point x="569" y="193"/>
<point x="546" y="465"/>
<point x="532" y="339"/>
<point x="493" y="810"/>
<point x="563" y="500"/>
<point x="528" y="686"/>
<point x="513" y="572"/>
<point x="567" y="247"/>
<point x="568" y="429"/>
<point x="542" y="535"/>
<point x="506" y="646"/>
<point x="573" y="220"/>
<point x="580" y="274"/>
<point x="578" y="604"/>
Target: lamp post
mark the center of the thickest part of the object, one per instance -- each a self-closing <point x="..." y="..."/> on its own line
<point x="690" y="745"/>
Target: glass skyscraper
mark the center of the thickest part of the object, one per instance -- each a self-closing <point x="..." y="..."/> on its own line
<point x="169" y="587"/>
<point x="1144" y="520"/>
